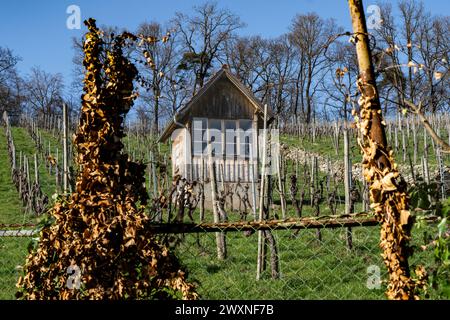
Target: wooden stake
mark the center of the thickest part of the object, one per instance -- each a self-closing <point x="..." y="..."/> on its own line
<point x="202" y="195"/>
<point x="347" y="182"/>
<point x="220" y="236"/>
<point x="441" y="172"/>
<point x="65" y="150"/>
<point x="261" y="238"/>
<point x="36" y="169"/>
<point x="416" y="147"/>
<point x="281" y="187"/>
<point x="252" y="177"/>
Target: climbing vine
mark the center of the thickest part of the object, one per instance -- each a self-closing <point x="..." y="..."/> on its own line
<point x="387" y="189"/>
<point x="100" y="229"/>
<point x="389" y="199"/>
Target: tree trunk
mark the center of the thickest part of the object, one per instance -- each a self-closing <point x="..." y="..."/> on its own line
<point x="387" y="188"/>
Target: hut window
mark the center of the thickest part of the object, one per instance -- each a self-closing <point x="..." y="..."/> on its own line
<point x="199" y="138"/>
<point x="230" y="138"/>
<point x="245" y="139"/>
<point x="215" y="137"/>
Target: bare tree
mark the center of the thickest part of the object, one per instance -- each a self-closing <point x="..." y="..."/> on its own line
<point x="265" y="71"/>
<point x="144" y="124"/>
<point x="178" y="92"/>
<point x="247" y="58"/>
<point x="11" y="84"/>
<point x="282" y="54"/>
<point x="44" y="92"/>
<point x="341" y="84"/>
<point x="311" y="36"/>
<point x="203" y="37"/>
<point x="155" y="74"/>
<point x="433" y="50"/>
<point x="7" y="62"/>
<point x="414" y="58"/>
<point x="415" y="61"/>
<point x="12" y="95"/>
<point x="411" y="15"/>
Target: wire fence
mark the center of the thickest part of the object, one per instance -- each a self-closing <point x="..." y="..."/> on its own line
<point x="312" y="253"/>
<point x="302" y="259"/>
<point x="13" y="251"/>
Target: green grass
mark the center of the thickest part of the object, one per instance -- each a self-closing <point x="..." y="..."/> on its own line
<point x="25" y="144"/>
<point x="13" y="252"/>
<point x="323" y="145"/>
<point x="11" y="209"/>
<point x="309" y="269"/>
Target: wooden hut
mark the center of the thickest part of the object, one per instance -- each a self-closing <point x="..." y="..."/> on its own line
<point x="220" y="123"/>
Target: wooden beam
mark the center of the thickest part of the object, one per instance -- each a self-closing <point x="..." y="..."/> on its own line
<point x="287" y="224"/>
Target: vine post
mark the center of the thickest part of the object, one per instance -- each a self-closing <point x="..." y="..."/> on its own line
<point x="65" y="158"/>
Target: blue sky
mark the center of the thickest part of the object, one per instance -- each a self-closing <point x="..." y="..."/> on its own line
<point x="36" y="30"/>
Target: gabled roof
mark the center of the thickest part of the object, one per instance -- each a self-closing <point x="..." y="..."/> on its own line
<point x="179" y="116"/>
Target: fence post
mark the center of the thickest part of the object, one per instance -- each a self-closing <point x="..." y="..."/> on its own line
<point x="20" y="169"/>
<point x="441" y="171"/>
<point x="13" y="156"/>
<point x="252" y="175"/>
<point x="36" y="169"/>
<point x="281" y="187"/>
<point x="202" y="188"/>
<point x="220" y="236"/>
<point x="154" y="178"/>
<point x="65" y="134"/>
<point x="347" y="181"/>
<point x="416" y="145"/>
<point x="261" y="238"/>
<point x="57" y="172"/>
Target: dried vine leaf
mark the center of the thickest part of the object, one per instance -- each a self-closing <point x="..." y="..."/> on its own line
<point x="99" y="229"/>
<point x="388" y="195"/>
<point x="389" y="201"/>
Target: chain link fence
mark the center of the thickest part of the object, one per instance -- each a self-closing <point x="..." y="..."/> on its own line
<point x="14" y="243"/>
<point x="322" y="255"/>
<point x="305" y="258"/>
<point x="303" y="264"/>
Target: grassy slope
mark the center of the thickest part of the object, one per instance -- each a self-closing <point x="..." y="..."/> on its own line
<point x="309" y="269"/>
<point x="25" y="144"/>
<point x="12" y="250"/>
<point x="11" y="210"/>
<point x="324" y="146"/>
